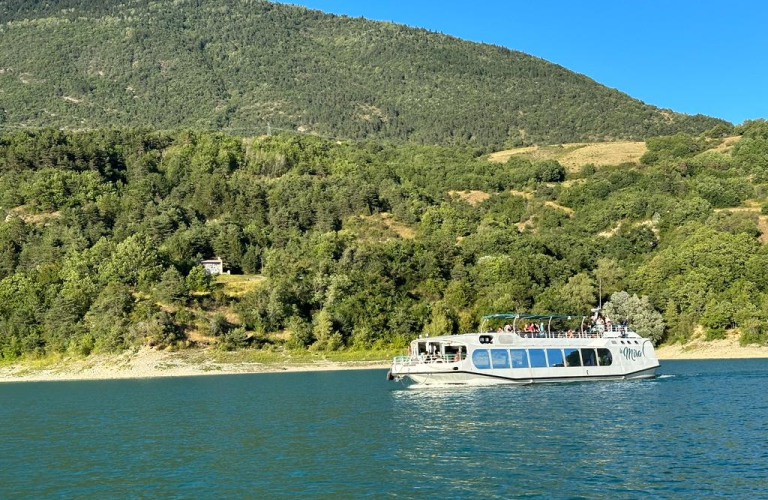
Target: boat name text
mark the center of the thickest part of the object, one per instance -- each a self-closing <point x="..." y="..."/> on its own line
<point x="631" y="353"/>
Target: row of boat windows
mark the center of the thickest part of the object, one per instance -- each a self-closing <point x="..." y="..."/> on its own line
<point x="485" y="359"/>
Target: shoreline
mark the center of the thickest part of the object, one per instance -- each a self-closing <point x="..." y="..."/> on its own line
<point x="697" y="348"/>
<point x="147" y="363"/>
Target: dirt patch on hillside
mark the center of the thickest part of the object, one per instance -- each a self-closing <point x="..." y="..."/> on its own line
<point x="31" y="217"/>
<point x="522" y="194"/>
<point x="747" y="206"/>
<point x="727" y="145"/>
<point x="577" y="154"/>
<point x="391" y="223"/>
<point x="615" y="229"/>
<point x="548" y="203"/>
<point x="606" y="153"/>
<point x="473" y="197"/>
<point x="752" y="206"/>
<point x="503" y="156"/>
<point x="762" y="226"/>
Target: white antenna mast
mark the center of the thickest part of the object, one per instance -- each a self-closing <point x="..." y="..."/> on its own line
<point x="600" y="292"/>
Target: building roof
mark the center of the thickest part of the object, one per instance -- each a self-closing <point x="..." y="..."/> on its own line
<point x="217" y="260"/>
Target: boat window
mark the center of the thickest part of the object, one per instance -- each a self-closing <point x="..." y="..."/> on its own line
<point x="589" y="357"/>
<point x="519" y="358"/>
<point x="480" y="359"/>
<point x="604" y="355"/>
<point x="572" y="357"/>
<point x="537" y="358"/>
<point x="555" y="357"/>
<point x="454" y="353"/>
<point x="500" y="358"/>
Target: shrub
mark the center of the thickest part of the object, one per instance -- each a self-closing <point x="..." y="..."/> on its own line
<point x="753" y="332"/>
<point x="218" y="326"/>
<point x="236" y="338"/>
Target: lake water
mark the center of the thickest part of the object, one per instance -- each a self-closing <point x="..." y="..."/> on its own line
<point x="699" y="431"/>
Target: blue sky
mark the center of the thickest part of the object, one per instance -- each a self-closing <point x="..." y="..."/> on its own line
<point x="691" y="56"/>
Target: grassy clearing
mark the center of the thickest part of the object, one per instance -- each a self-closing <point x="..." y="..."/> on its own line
<point x="473" y="197"/>
<point x="615" y="229"/>
<point x="536" y="152"/>
<point x="574" y="155"/>
<point x="378" y="227"/>
<point x="551" y="204"/>
<point x="31" y="217"/>
<point x="754" y="207"/>
<point x="727" y="145"/>
<point x="387" y="221"/>
<point x="237" y="285"/>
<point x="41" y="362"/>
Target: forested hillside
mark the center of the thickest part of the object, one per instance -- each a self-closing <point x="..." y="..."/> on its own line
<point x="239" y="65"/>
<point x="361" y="244"/>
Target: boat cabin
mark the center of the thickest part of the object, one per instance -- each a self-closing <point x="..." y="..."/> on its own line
<point x="439" y="350"/>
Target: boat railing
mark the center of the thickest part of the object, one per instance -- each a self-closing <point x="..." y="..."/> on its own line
<point x="595" y="332"/>
<point x="427" y="359"/>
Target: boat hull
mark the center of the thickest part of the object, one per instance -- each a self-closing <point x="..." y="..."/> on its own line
<point x="470" y="378"/>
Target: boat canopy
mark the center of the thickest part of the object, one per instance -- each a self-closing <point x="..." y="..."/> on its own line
<point x="532" y="316"/>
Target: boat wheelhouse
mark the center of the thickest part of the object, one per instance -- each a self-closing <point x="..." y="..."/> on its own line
<point x="527" y="349"/>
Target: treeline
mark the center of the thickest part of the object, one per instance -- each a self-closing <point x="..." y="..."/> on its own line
<point x="363" y="244"/>
<point x="246" y="66"/>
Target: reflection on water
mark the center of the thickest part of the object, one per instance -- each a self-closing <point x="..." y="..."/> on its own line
<point x="697" y="431"/>
<point x="596" y="439"/>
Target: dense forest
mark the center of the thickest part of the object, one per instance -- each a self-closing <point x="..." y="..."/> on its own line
<point x="244" y="66"/>
<point x="359" y="244"/>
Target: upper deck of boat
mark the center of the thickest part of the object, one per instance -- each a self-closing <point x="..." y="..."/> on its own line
<point x="518" y="337"/>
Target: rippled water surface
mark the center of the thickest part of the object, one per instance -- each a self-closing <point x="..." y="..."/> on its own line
<point x="699" y="431"/>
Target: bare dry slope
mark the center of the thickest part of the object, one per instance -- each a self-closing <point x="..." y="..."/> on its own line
<point x="575" y="155"/>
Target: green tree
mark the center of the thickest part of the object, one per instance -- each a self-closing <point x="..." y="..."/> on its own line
<point x="440" y="323"/>
<point x="198" y="280"/>
<point x="300" y="332"/>
<point x="638" y="312"/>
<point x="135" y="261"/>
<point x="107" y="318"/>
<point x="326" y="338"/>
<point x="579" y="292"/>
<point x="609" y="275"/>
<point x="171" y="288"/>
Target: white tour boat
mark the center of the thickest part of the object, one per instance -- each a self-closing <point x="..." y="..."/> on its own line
<point x="517" y="353"/>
